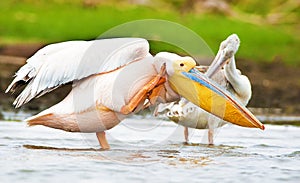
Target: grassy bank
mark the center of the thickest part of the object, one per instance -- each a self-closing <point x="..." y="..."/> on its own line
<point x="54" y="21"/>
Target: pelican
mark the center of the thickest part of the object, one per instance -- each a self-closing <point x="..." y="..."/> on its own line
<point x="230" y="78"/>
<point x="112" y="79"/>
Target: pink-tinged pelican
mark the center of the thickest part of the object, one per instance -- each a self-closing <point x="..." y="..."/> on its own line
<point x="112" y="78"/>
<point x="230" y="78"/>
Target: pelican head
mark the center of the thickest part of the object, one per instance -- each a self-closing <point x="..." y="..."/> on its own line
<point x="174" y="63"/>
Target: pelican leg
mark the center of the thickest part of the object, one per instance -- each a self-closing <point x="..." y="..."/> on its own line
<point x="143" y="93"/>
<point x="210" y="136"/>
<point x="186" y="134"/>
<point x="102" y="140"/>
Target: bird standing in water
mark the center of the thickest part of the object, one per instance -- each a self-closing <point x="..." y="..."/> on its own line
<point x="230" y="78"/>
<point x="112" y="78"/>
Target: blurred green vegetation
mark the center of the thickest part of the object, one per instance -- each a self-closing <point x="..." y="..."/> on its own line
<point x="268" y="29"/>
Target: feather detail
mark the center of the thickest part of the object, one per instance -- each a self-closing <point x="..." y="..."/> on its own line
<point x="65" y="62"/>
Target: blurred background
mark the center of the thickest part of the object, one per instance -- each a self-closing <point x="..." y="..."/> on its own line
<point x="269" y="33"/>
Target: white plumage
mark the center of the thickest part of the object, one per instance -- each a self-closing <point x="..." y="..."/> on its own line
<point x="230" y="78"/>
<point x="111" y="79"/>
<point x="60" y="63"/>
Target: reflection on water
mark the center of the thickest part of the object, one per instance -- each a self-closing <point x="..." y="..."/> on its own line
<point x="38" y="154"/>
<point x="58" y="148"/>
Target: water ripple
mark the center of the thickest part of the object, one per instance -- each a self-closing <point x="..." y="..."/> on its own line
<point x="236" y="157"/>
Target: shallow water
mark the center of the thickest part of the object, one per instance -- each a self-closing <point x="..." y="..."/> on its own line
<point x="149" y="150"/>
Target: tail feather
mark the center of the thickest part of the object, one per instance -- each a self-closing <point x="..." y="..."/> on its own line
<point x="54" y="121"/>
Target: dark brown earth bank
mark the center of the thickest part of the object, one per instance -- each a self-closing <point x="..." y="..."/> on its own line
<point x="275" y="86"/>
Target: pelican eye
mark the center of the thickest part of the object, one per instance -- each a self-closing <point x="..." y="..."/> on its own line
<point x="181" y="64"/>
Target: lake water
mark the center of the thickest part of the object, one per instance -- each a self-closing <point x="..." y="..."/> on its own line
<point x="148" y="150"/>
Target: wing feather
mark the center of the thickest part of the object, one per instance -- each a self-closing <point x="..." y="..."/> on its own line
<point x="61" y="63"/>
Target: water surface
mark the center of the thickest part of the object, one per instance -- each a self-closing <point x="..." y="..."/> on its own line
<point x="149" y="150"/>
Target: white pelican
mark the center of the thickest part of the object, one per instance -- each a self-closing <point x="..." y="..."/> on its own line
<point x="112" y="78"/>
<point x="189" y="115"/>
